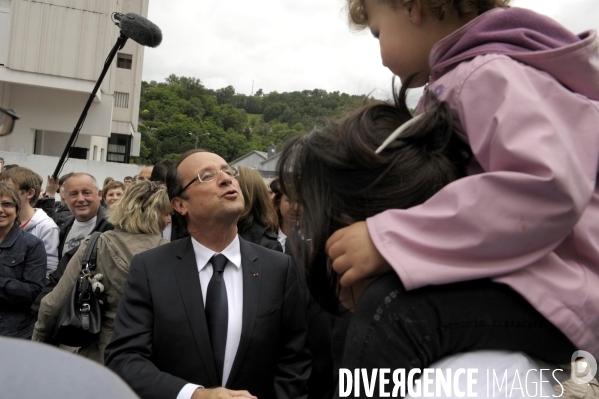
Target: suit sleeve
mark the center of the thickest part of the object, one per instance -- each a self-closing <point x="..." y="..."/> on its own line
<point x="294" y="363"/>
<point x="129" y="353"/>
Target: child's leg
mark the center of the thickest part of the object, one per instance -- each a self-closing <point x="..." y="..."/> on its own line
<point x="394" y="328"/>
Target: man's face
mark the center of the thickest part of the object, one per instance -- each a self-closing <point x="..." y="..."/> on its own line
<point x="127" y="182"/>
<point x="146" y="173"/>
<point x="82" y="197"/>
<point x="217" y="200"/>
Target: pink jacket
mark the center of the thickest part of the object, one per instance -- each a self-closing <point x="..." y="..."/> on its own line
<point x="528" y="213"/>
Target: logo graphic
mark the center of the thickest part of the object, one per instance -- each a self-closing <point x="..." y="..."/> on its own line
<point x="581" y="366"/>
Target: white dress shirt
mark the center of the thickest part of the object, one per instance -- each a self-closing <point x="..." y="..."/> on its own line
<point x="166" y="233"/>
<point x="282" y="239"/>
<point x="234" y="282"/>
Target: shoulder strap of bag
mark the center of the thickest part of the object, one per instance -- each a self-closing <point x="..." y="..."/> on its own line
<point x="91" y="252"/>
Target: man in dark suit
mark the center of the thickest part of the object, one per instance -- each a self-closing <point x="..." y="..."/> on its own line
<point x="211" y="309"/>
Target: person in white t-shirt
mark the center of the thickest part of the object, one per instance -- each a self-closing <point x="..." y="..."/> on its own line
<point x="82" y="196"/>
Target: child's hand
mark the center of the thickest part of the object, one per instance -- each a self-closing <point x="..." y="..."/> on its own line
<point x="354" y="255"/>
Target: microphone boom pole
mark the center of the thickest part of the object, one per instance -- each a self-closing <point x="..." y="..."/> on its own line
<point x="118" y="45"/>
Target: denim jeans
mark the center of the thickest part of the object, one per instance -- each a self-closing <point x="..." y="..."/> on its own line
<point x="394" y="328"/>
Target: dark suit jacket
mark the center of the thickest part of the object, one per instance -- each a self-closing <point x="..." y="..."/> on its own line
<point x="258" y="234"/>
<point x="161" y="340"/>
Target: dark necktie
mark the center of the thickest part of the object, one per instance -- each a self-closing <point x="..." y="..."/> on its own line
<point x="217" y="312"/>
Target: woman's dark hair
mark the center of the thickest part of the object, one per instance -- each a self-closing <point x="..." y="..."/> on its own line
<point x="335" y="173"/>
<point x="160" y="170"/>
<point x="276" y="200"/>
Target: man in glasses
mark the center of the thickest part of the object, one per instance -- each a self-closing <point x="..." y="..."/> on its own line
<point x="210" y="310"/>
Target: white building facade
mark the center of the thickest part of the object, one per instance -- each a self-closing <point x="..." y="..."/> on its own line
<point x="263" y="162"/>
<point x="51" y="55"/>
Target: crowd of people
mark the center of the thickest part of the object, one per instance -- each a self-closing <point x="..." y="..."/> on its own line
<point x="387" y="240"/>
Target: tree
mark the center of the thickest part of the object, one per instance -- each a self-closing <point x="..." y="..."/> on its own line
<point x="225" y="95"/>
<point x="274" y="111"/>
<point x="237" y="123"/>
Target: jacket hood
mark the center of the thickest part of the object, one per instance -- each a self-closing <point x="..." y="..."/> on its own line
<point x="527" y="37"/>
<point x="38" y="217"/>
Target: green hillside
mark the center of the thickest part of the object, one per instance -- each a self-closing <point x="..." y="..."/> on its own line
<point x="172" y="114"/>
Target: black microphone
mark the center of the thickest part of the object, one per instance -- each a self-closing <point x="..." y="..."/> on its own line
<point x="133" y="27"/>
<point x="139" y="29"/>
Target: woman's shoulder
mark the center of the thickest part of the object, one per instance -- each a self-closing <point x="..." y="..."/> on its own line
<point x="30" y="240"/>
<point x="122" y="243"/>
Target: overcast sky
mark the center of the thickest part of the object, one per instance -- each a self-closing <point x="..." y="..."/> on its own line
<point x="289" y="45"/>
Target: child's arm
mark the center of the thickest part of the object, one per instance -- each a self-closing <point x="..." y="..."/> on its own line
<point x="354" y="255"/>
<point x="538" y="145"/>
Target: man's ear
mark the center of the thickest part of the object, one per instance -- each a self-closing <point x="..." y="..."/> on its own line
<point x="100" y="193"/>
<point x="179" y="206"/>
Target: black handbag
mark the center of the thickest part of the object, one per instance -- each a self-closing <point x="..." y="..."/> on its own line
<point x="80" y="321"/>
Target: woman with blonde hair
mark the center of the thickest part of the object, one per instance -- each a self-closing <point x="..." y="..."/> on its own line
<point x="138" y="217"/>
<point x="258" y="222"/>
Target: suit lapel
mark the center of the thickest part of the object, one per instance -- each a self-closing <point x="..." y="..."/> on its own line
<point x="188" y="280"/>
<point x="251" y="293"/>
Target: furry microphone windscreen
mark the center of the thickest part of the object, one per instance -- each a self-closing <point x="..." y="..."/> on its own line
<point x="137" y="28"/>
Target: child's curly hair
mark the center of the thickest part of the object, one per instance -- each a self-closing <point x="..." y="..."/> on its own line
<point x="359" y="20"/>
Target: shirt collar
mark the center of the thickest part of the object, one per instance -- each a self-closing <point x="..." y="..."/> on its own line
<point x="203" y="254"/>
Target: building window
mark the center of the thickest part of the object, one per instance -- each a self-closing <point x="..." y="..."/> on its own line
<point x="119" y="146"/>
<point x="121" y="100"/>
<point x="124" y="61"/>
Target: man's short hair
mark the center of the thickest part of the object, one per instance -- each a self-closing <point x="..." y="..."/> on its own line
<point x="24" y="179"/>
<point x="64" y="178"/>
<point x="128" y="178"/>
<point x="174" y="184"/>
<point x="111" y="186"/>
<point x="78" y="174"/>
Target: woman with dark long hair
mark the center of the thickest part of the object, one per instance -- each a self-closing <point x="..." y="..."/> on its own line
<point x="378" y="158"/>
<point x="337" y="174"/>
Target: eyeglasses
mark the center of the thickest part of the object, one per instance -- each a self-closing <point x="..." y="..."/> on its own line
<point x="8" y="205"/>
<point x="210" y="174"/>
